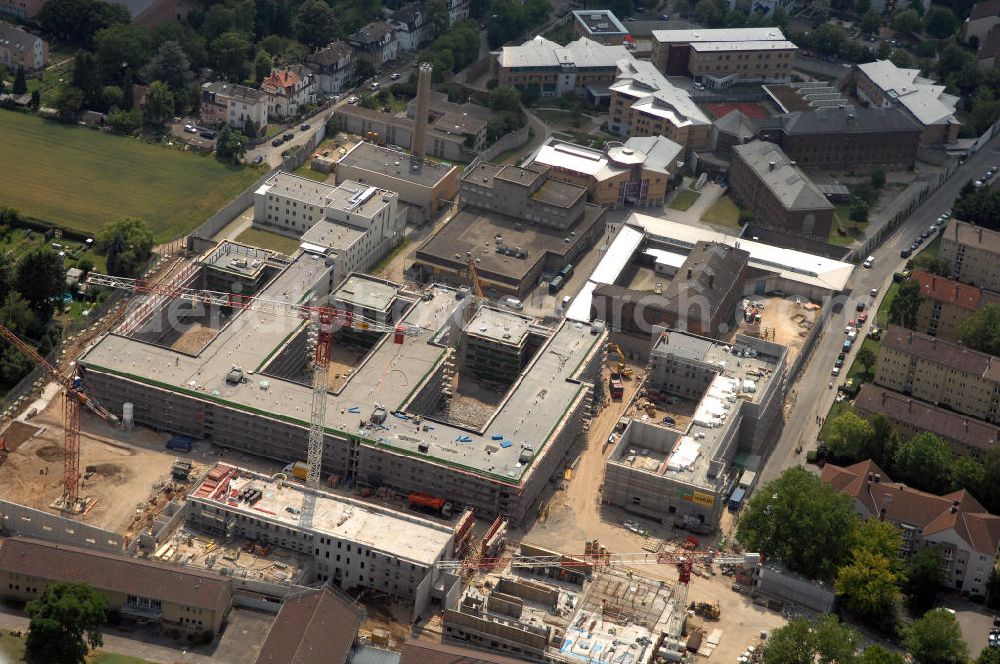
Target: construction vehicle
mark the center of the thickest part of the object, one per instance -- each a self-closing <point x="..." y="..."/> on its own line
<point x="427" y="502"/>
<point x="706" y="610"/>
<point x="298" y="470"/>
<point x="179" y="444"/>
<point x="73" y="398"/>
<point x="624" y="369"/>
<point x="322" y="322"/>
<point x="683" y="560"/>
<point x="615" y="386"/>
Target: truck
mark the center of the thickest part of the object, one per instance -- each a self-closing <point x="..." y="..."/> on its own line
<point x="429" y="503"/>
<point x="298" y="470"/>
<point x="180" y="443"/>
<point x="615" y="386"/>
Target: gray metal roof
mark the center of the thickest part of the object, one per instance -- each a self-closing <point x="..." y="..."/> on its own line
<point x="792" y="187"/>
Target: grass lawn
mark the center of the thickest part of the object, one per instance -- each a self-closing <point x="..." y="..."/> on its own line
<point x="842" y="217"/>
<point x="684" y="199"/>
<point x="82" y="179"/>
<point x="12" y="647"/>
<point x="103" y="657"/>
<point x="555" y="117"/>
<point x="882" y="316"/>
<point x="307" y="172"/>
<point x="268" y="240"/>
<point x="723" y="213"/>
<point x="928" y="255"/>
<point x="562" y="34"/>
<point x="835" y="410"/>
<point x="381" y="265"/>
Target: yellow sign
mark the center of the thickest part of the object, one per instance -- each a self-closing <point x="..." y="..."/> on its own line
<point x="702" y="498"/>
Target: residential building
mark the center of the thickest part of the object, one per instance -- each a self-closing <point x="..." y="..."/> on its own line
<point x="973" y="254"/>
<point x="883" y="84"/>
<point x="289" y="89"/>
<point x="940" y="372"/>
<point x="967" y="436"/>
<point x="352" y="225"/>
<point x="313" y="627"/>
<point x="375" y="42"/>
<point x="458" y="10"/>
<point x="945" y="304"/>
<point x="531" y="222"/>
<point x="636" y="172"/>
<point x="235" y="105"/>
<point x="425" y="187"/>
<point x="760" y="8"/>
<point x="723" y="57"/>
<point x="354" y="544"/>
<point x="983" y="17"/>
<point x="840" y="139"/>
<point x="780" y="196"/>
<point x="20" y="48"/>
<point x="680" y="475"/>
<point x="168" y="596"/>
<point x="21" y="8"/>
<point x="967" y="534"/>
<point x="644" y="103"/>
<point x="582" y="67"/>
<point x="988" y="55"/>
<point x="409" y="25"/>
<point x="599" y="25"/>
<point x="333" y="66"/>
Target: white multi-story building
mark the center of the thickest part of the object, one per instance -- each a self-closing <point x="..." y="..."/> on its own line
<point x="235" y="105"/>
<point x="353" y="225"/>
<point x="333" y="65"/>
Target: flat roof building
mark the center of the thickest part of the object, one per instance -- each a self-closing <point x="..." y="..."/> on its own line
<point x="777" y="192"/>
<point x="973" y="254"/>
<point x="599" y="25"/>
<point x="681" y="476"/>
<point x="425" y="186"/>
<point x="723" y="57"/>
<point x="883" y="84"/>
<point x="143" y="591"/>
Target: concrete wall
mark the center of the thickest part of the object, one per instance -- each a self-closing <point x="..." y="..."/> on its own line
<point x="19" y="520"/>
<point x="791" y="587"/>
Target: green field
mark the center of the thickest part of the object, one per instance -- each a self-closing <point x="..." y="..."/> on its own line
<point x="13" y="648"/>
<point x="724" y="212"/>
<point x="81" y="179"/>
<point x="268" y="240"/>
<point x="684" y="199"/>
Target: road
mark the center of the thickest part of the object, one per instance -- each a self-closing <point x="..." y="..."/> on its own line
<point x="811" y="395"/>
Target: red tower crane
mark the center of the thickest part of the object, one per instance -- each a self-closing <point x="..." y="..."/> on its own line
<point x="73" y="398"/>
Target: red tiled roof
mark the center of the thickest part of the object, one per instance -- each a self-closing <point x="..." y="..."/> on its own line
<point x="313" y="627"/>
<point x="947" y="290"/>
<point x="282" y="79"/>
<point x="932" y="514"/>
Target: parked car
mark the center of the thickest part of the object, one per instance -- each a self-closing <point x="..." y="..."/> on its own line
<point x="835" y="371"/>
<point x="873" y="292"/>
<point x="210" y="135"/>
<point x="258" y="160"/>
<point x="374" y="86"/>
<point x="277" y="142"/>
<point x="352" y="100"/>
<point x="287" y="136"/>
<point x="839" y="363"/>
<point x="869" y="261"/>
<point x="860" y="307"/>
<point x="395" y="76"/>
<point x="304" y="126"/>
<point x="191" y="129"/>
<point x="905" y="253"/>
<point x="512" y="303"/>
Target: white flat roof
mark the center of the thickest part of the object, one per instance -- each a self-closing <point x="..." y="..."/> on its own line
<point x="664" y="257"/>
<point x="719" y="35"/>
<point x="776" y="45"/>
<point x="922" y="97"/>
<point x="608" y="269"/>
<point x="575" y="158"/>
<point x="788" y="263"/>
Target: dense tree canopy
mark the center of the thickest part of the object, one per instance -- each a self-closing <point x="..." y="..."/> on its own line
<point x="799" y="642"/>
<point x="41" y="279"/>
<point x="924" y="462"/>
<point x="316" y="24"/>
<point x="78" y="21"/>
<point x="127" y="242"/>
<point x="171" y="65"/>
<point x="982" y="207"/>
<point x="801" y="520"/>
<point x="936" y="639"/>
<point x="903" y="308"/>
<point x="981" y="330"/>
<point x="65" y="624"/>
<point x="848" y="436"/>
<point x="118" y="45"/>
<point x="924" y="577"/>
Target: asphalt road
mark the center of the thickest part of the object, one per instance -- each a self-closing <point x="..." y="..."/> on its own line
<point x="811" y="394"/>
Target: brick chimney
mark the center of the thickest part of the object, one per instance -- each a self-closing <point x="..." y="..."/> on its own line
<point x="420" y="119"/>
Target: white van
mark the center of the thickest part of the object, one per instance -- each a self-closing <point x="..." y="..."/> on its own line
<point x="512" y="303"/>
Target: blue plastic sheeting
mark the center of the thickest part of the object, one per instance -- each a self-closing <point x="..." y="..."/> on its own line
<point x="497" y="436"/>
<point x="505" y="444"/>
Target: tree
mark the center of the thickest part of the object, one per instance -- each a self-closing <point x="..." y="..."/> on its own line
<point x="120" y="44"/>
<point x="848" y="436"/>
<point x="262" y="65"/>
<point x="867" y="358"/>
<point x="437" y="18"/>
<point x="171" y="66"/>
<point x="124" y="122"/>
<point x="531" y="93"/>
<point x="20" y="81"/>
<point x="128" y="243"/>
<point x="981" y="330"/>
<point x="505" y="98"/>
<point x="65" y="624"/>
<point x="884" y="51"/>
<point x="316" y="23"/>
<point x="799" y="642"/>
<point x="36" y="98"/>
<point x="829" y="39"/>
<point x="802" y="521"/>
<point x="870" y="22"/>
<point x="924" y="577"/>
<point x="868" y="585"/>
<point x="989" y="656"/>
<point x="41" y="279"/>
<point x="230" y="55"/>
<point x="77" y="21"/>
<point x="982" y="207"/>
<point x="940" y="22"/>
<point x="881" y="538"/>
<point x="159" y="106"/>
<point x="936" y="639"/>
<point x="230" y="145"/>
<point x="707" y="12"/>
<point x="879" y="655"/>
<point x="87" y="77"/>
<point x="991" y="484"/>
<point x="907" y="21"/>
<point x="924" y="463"/>
<point x="952" y="59"/>
<point x="969" y="474"/>
<point x="900" y="58"/>
<point x="128" y="94"/>
<point x="878" y="178"/>
<point x="69" y="103"/>
<point x="903" y="308"/>
<point x="859" y="212"/>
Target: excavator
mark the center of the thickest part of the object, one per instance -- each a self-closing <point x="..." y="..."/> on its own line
<point x="623" y="369"/>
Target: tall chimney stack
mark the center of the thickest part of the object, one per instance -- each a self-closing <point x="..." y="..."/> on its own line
<point x="419" y="146"/>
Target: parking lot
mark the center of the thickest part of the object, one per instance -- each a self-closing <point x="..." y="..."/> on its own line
<point x="194" y="139"/>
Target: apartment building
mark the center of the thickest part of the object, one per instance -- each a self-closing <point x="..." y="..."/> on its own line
<point x="167" y="596"/>
<point x="599" y="25"/>
<point x="967" y="534"/>
<point x="966" y="435"/>
<point x="409" y="25"/>
<point x="983" y="17"/>
<point x="333" y="66"/>
<point x="777" y="192"/>
<point x="636" y="172"/>
<point x="723" y="57"/>
<point x="582" y="67"/>
<point x="945" y="304"/>
<point x="644" y="103"/>
<point x="21" y="8"/>
<point x="20" y="48"/>
<point x="940" y="372"/>
<point x="375" y="42"/>
<point x="973" y="254"/>
<point x="352" y="225"/>
<point x="289" y="89"/>
<point x="238" y="106"/>
<point x="882" y="84"/>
